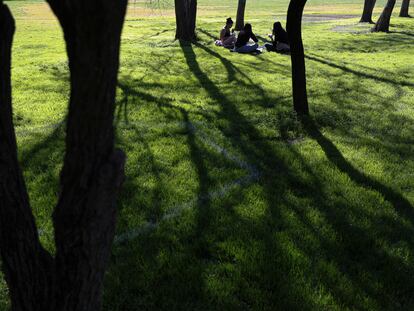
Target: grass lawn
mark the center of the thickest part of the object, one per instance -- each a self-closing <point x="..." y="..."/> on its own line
<point x="231" y="203"/>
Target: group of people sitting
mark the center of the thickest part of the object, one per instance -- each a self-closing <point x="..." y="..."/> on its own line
<point x="241" y="42"/>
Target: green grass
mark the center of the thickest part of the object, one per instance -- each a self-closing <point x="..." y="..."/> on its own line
<point x="253" y="209"/>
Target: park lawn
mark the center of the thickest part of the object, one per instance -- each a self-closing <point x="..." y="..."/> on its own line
<point x="230" y="202"/>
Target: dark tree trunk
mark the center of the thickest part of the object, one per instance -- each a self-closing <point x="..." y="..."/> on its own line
<point x="185" y="16"/>
<point x="383" y="23"/>
<point x="27" y="267"/>
<point x="84" y="218"/>
<point x="240" y="15"/>
<point x="405" y="6"/>
<point x="294" y="29"/>
<point x="367" y="12"/>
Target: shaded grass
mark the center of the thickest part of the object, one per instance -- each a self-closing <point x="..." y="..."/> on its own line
<point x="328" y="223"/>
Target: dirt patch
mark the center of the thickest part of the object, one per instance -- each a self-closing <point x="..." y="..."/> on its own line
<point x="36" y="11"/>
<point x="355" y="29"/>
<point x="312" y="18"/>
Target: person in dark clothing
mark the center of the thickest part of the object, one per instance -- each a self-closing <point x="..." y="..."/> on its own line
<point x="280" y="39"/>
<point x="279" y="34"/>
<point x="242" y="43"/>
<point x="227" y="37"/>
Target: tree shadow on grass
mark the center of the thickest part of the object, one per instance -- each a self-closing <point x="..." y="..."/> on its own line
<point x="366" y="115"/>
<point x="405" y="33"/>
<point x="195" y="153"/>
<point x="208" y="34"/>
<point x="232" y="72"/>
<point x="361" y="74"/>
<point x="44" y="145"/>
<point x="201" y="245"/>
<point x="150" y="36"/>
<point x="41" y="157"/>
<point x="289" y="241"/>
<point x="279" y="178"/>
<point x="385" y="280"/>
<point x="374" y="42"/>
<point x="197" y="247"/>
<point x="285" y="259"/>
<point x="241" y="132"/>
<point x="401" y="204"/>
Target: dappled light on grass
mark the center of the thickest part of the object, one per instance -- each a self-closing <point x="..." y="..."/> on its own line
<point x="231" y="202"/>
<point x="312" y="218"/>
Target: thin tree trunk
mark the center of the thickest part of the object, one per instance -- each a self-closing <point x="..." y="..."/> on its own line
<point x="405" y="6"/>
<point x="383" y="23"/>
<point x="241" y="8"/>
<point x="185" y="16"/>
<point x="294" y="29"/>
<point x="27" y="267"/>
<point x="367" y="12"/>
<point x="84" y="218"/>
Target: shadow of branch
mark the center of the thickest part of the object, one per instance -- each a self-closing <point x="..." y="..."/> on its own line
<point x="400" y="203"/>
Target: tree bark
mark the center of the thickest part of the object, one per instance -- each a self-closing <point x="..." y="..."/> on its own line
<point x="241" y="8"/>
<point x="294" y="29"/>
<point x="383" y="23"/>
<point x="26" y="265"/>
<point x="367" y="12"/>
<point x="185" y="16"/>
<point x="84" y="218"/>
<point x="405" y="6"/>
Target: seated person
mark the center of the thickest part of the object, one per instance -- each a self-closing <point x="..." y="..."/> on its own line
<point x="280" y="39"/>
<point x="227" y="38"/>
<point x="242" y="43"/>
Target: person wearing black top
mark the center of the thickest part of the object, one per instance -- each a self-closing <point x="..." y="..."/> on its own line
<point x="242" y="43"/>
<point x="280" y="39"/>
<point x="227" y="37"/>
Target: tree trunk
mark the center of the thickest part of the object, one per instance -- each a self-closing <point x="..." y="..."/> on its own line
<point x="294" y="29"/>
<point x="240" y="15"/>
<point x="405" y="6"/>
<point x="185" y="16"/>
<point x="26" y="266"/>
<point x="84" y="218"/>
<point x="383" y="23"/>
<point x="367" y="12"/>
